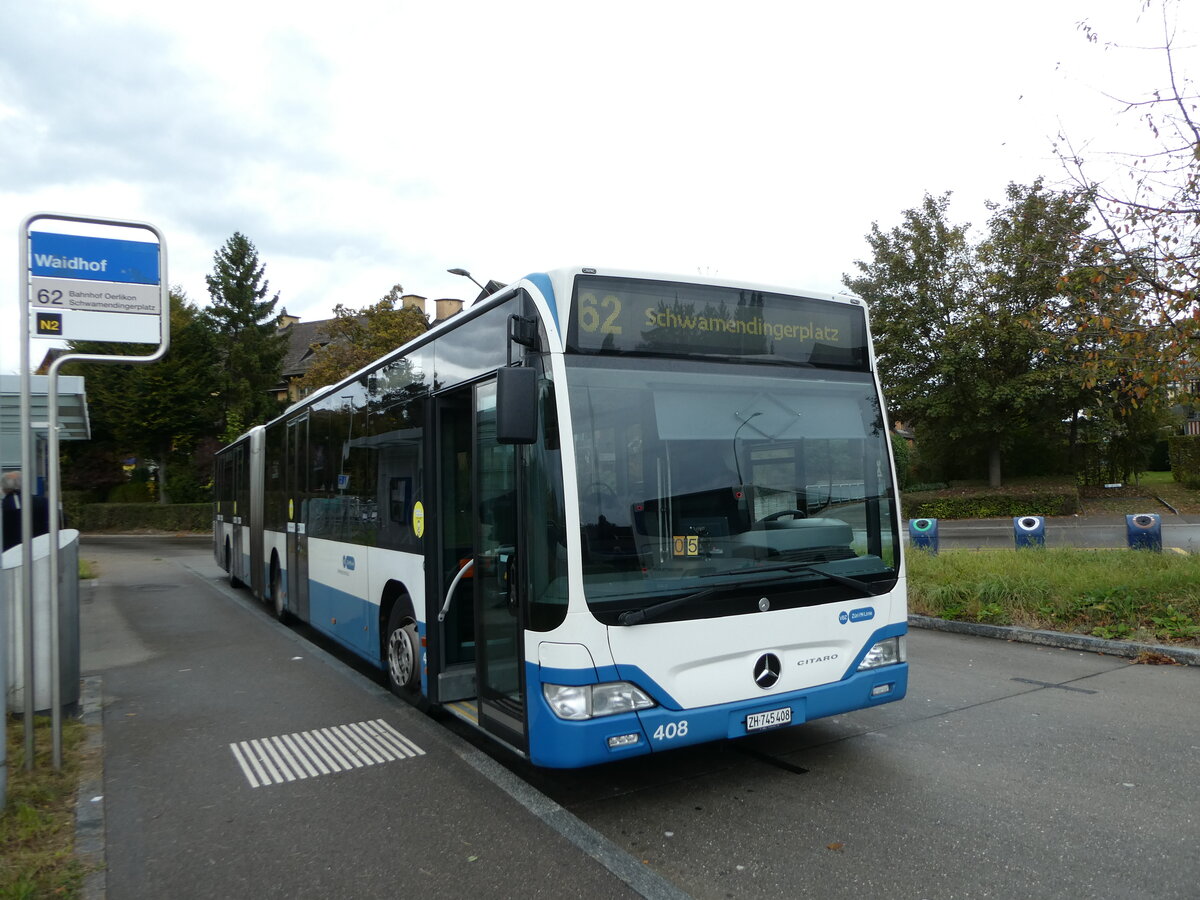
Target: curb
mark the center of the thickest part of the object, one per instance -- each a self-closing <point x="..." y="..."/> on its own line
<point x="1184" y="656"/>
<point x="89" y="801"/>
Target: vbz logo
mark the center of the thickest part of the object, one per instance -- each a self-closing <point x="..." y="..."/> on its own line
<point x="348" y="563"/>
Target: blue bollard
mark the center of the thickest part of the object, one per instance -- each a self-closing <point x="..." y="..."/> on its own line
<point x="1144" y="531"/>
<point x="1029" y="531"/>
<point x="924" y="534"/>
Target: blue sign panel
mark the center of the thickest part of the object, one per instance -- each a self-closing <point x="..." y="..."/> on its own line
<point x="93" y="259"/>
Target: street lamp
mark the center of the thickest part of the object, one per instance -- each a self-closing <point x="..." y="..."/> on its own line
<point x="465" y="274"/>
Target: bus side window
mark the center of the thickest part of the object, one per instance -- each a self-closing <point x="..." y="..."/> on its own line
<point x="399" y="500"/>
<point x="396" y="439"/>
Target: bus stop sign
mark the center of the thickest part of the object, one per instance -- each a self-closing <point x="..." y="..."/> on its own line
<point x="96" y="288"/>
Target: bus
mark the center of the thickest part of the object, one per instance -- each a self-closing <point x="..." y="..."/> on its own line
<point x="596" y="514"/>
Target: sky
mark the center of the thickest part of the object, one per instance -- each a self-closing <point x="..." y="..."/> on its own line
<point x="365" y="144"/>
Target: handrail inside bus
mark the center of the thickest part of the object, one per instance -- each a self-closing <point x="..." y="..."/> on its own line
<point x="453" y="584"/>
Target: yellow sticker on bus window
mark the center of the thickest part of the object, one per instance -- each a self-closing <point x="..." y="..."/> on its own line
<point x="686" y="544"/>
<point x="418" y="519"/>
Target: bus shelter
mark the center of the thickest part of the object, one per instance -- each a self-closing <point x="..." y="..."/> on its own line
<point x="72" y="419"/>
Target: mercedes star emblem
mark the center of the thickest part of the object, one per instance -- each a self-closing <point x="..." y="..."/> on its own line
<point x="766" y="670"/>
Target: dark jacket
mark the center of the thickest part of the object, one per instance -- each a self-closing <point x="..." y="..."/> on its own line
<point x="12" y="518"/>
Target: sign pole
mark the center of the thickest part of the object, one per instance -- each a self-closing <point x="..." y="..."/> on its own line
<point x="26" y="497"/>
<point x="122" y="304"/>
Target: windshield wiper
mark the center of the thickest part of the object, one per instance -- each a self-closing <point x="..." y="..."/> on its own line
<point x="873" y="589"/>
<point x="654" y="611"/>
<point x="638" y="616"/>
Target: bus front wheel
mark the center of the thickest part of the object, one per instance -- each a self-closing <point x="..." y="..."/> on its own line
<point x="403" y="654"/>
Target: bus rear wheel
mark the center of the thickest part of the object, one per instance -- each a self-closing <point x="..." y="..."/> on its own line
<point x="234" y="581"/>
<point x="403" y="654"/>
<point x="278" y="600"/>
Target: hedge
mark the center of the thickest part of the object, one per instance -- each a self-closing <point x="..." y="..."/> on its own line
<point x="1000" y="505"/>
<point x="142" y="517"/>
<point x="1185" y="458"/>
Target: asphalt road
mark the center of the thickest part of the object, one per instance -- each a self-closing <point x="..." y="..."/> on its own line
<point x="1178" y="532"/>
<point x="1009" y="771"/>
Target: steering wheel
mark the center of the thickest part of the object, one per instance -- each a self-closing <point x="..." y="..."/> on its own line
<point x="794" y="513"/>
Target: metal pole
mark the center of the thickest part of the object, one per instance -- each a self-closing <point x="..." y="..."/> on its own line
<point x="52" y="503"/>
<point x="25" y="496"/>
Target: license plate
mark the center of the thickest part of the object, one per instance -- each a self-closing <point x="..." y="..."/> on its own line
<point x="772" y="718"/>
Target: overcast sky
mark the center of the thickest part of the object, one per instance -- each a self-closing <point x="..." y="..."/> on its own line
<point x="363" y="144"/>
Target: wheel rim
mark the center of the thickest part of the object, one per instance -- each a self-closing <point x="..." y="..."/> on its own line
<point x="401" y="661"/>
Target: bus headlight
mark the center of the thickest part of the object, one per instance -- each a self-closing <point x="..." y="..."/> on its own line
<point x="589" y="701"/>
<point x="885" y="653"/>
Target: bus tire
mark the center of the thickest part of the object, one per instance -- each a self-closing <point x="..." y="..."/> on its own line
<point x="234" y="581"/>
<point x="278" y="598"/>
<point x="403" y="651"/>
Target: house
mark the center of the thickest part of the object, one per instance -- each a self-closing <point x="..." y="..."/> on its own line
<point x="305" y="339"/>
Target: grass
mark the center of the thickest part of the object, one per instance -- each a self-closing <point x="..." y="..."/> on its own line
<point x="37" y="830"/>
<point x="1115" y="594"/>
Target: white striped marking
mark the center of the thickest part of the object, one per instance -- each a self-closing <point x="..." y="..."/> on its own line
<point x="308" y="754"/>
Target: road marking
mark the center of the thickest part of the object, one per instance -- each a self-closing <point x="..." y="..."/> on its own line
<point x="1061" y="687"/>
<point x="323" y="751"/>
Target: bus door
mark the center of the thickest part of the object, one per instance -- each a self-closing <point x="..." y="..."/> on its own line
<point x="241" y="515"/>
<point x="296" y="474"/>
<point x="481" y="642"/>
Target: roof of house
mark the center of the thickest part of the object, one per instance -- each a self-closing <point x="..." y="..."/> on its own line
<point x="302" y="336"/>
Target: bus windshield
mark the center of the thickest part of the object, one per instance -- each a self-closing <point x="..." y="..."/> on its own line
<point x="706" y="479"/>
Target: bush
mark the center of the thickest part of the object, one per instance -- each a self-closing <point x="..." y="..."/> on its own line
<point x="903" y="455"/>
<point x="145" y="517"/>
<point x="965" y="503"/>
<point x="184" y="488"/>
<point x="131" y="492"/>
<point x="1184" y="450"/>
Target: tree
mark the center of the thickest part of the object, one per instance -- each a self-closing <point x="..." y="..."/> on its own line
<point x="157" y="411"/>
<point x="1150" y="221"/>
<point x="250" y="348"/>
<point x="966" y="335"/>
<point x="358" y="337"/>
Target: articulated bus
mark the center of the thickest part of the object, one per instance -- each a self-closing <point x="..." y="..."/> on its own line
<point x="596" y="514"/>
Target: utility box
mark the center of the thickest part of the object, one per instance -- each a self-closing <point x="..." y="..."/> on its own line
<point x="13" y="624"/>
<point x="924" y="534"/>
<point x="1144" y="531"/>
<point x="1029" y="531"/>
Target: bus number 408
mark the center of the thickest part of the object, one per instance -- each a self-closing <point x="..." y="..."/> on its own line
<point x="671" y="730"/>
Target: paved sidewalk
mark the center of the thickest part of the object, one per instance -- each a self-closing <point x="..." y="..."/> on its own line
<point x="202" y="691"/>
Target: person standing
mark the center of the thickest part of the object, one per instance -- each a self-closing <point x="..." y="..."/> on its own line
<point x="10" y="524"/>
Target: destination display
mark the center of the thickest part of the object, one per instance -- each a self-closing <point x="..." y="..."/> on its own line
<point x="621" y="315"/>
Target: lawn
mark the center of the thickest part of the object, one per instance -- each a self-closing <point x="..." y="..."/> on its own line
<point x="37" y="830"/>
<point x="1115" y="594"/>
<point x="1151" y="489"/>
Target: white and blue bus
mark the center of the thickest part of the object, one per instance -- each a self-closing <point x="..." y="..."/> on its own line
<point x="597" y="514"/>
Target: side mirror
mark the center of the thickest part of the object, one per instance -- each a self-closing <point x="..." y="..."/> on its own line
<point x="516" y="406"/>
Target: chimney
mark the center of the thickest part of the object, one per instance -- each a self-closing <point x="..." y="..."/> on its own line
<point x="447" y="308"/>
<point x="286" y="321"/>
<point x="413" y="301"/>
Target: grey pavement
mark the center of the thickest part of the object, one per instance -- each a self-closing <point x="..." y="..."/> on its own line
<point x="188" y="670"/>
